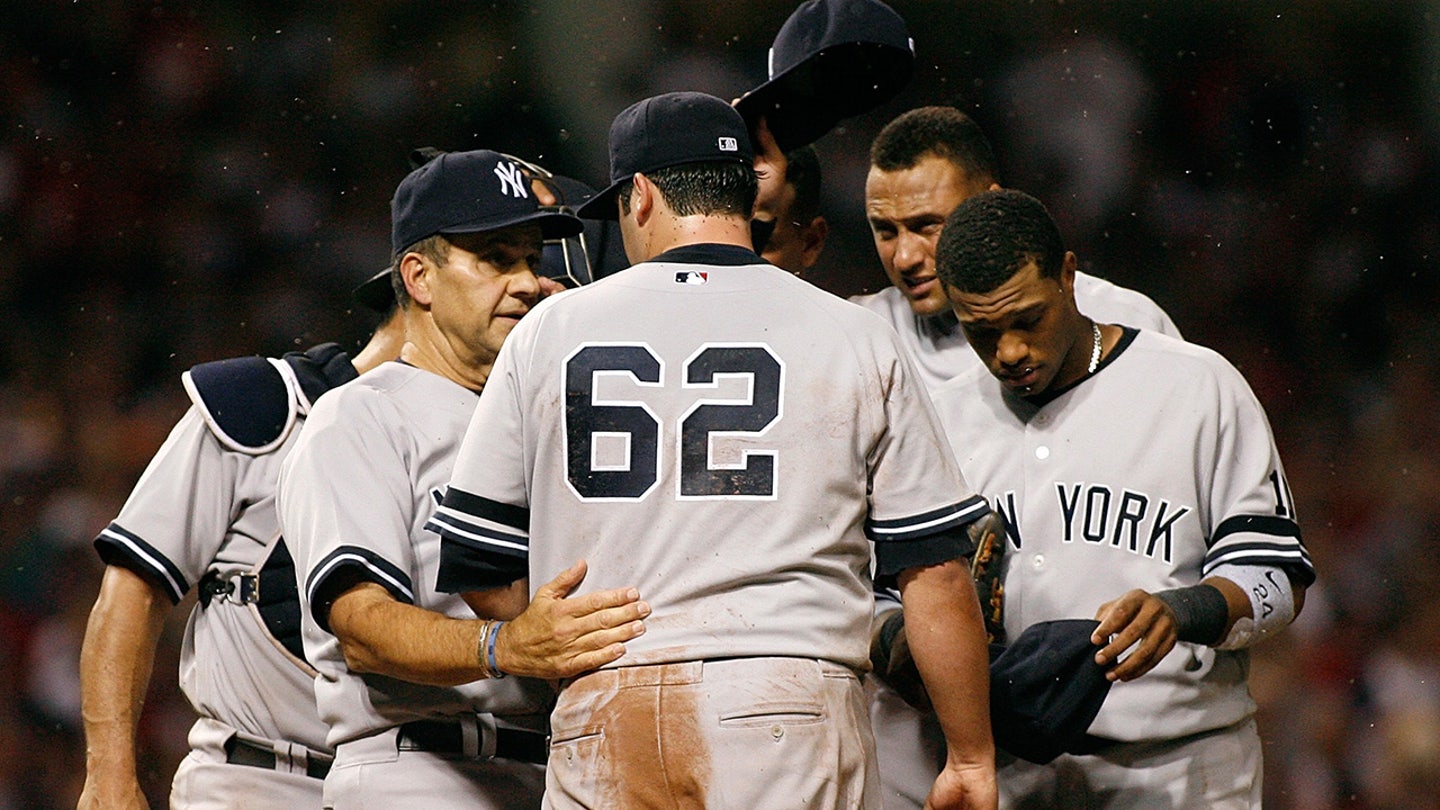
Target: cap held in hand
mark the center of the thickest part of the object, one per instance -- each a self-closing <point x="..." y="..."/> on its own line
<point x="832" y="59"/>
<point x="1046" y="689"/>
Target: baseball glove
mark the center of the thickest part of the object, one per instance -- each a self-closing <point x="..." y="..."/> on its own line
<point x="890" y="651"/>
<point x="986" y="568"/>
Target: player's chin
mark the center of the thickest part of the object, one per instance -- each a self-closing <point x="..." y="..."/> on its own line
<point x="931" y="303"/>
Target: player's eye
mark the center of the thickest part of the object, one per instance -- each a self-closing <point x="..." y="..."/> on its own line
<point x="979" y="335"/>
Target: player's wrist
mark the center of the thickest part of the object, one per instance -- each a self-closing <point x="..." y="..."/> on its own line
<point x="491" y="642"/>
<point x="1201" y="612"/>
<point x="482" y="649"/>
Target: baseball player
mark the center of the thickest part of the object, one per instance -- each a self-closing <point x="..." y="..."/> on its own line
<point x="1143" y="488"/>
<point x="923" y="164"/>
<point x="799" y="231"/>
<point x="728" y="436"/>
<point x="203" y="517"/>
<point x="410" y="684"/>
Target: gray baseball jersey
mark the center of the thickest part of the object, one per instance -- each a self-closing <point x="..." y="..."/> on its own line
<point x="200" y="507"/>
<point x="910" y="745"/>
<point x="355" y="494"/>
<point x="722" y="435"/>
<point x="203" y="512"/>
<point x="938" y="345"/>
<point x="1146" y="474"/>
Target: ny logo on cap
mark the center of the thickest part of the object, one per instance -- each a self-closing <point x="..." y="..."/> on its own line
<point x="511" y="178"/>
<point x="728" y="144"/>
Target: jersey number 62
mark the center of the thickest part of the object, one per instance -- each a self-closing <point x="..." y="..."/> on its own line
<point x="634" y="425"/>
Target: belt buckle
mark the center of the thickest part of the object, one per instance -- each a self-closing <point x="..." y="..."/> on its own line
<point x="249" y="588"/>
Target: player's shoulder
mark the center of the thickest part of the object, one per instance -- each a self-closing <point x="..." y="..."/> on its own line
<point x="877" y="323"/>
<point x="972" y="383"/>
<point x="886" y="303"/>
<point x="1180" y="359"/>
<point x="1107" y="301"/>
<point x="380" y="384"/>
<point x="251" y="404"/>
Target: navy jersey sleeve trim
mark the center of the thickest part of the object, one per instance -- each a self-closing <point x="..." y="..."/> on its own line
<point x="933" y="549"/>
<point x="469" y="566"/>
<point x="346" y="567"/>
<point x="915" y="527"/>
<point x="1261" y="540"/>
<point x="1290" y="557"/>
<point x="483" y="543"/>
<point x="463" y="503"/>
<point x="117" y="546"/>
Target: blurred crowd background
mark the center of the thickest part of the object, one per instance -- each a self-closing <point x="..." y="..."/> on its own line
<point x="185" y="181"/>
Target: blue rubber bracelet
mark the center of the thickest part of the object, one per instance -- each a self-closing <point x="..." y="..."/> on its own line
<point x="490" y="651"/>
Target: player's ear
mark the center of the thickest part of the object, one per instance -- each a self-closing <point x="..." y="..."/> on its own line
<point x="417" y="274"/>
<point x="1068" y="266"/>
<point x="642" y="198"/>
<point x="813" y="238"/>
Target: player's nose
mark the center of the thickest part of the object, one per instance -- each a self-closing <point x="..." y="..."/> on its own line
<point x="1011" y="351"/>
<point x="525" y="285"/>
<point x="911" y="252"/>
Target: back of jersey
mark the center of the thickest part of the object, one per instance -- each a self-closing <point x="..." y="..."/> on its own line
<point x="723" y="437"/>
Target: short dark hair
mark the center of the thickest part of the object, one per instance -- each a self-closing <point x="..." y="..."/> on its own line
<point x="993" y="235"/>
<point x="803" y="172"/>
<point x="709" y="188"/>
<point x="941" y="131"/>
<point x="434" y="247"/>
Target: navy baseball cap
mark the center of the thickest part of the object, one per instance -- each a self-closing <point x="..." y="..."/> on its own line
<point x="1046" y="689"/>
<point x="831" y="60"/>
<point x="669" y="130"/>
<point x="469" y="192"/>
<point x="375" y="292"/>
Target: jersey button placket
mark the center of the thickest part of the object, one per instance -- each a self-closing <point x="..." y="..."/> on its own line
<point x="1041" y="453"/>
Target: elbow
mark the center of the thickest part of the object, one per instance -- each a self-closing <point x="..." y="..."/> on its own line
<point x="359" y="658"/>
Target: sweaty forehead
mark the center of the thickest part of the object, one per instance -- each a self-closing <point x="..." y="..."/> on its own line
<point x="934" y="185"/>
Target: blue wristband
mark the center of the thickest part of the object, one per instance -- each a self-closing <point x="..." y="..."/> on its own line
<point x="490" y="651"/>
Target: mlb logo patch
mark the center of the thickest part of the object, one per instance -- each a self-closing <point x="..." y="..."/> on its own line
<point x="691" y="277"/>
<point x="728" y="144"/>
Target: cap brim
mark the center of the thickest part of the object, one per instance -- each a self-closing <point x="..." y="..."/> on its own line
<point x="839" y="82"/>
<point x="602" y="205"/>
<point x="376" y="292"/>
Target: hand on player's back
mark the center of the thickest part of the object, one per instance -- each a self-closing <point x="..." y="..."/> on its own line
<point x="1136" y="616"/>
<point x="558" y="636"/>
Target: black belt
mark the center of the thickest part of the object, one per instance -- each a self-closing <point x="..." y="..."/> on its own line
<point x="259" y="755"/>
<point x="442" y="737"/>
